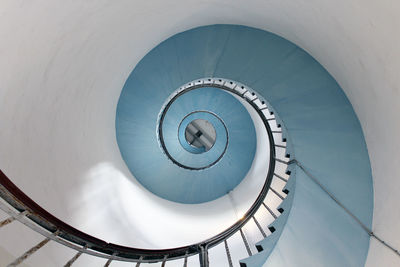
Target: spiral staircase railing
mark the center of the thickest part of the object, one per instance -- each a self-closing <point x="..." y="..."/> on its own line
<point x="23" y="209"/>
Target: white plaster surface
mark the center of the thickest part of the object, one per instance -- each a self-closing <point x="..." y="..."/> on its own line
<point x="63" y="64"/>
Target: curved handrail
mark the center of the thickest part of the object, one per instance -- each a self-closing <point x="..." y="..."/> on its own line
<point x="21" y="202"/>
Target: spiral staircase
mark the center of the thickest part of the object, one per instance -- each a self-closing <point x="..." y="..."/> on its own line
<point x="279" y="173"/>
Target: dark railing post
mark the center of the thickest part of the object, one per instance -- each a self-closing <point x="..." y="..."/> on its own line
<point x="7" y="221"/>
<point x="74" y="258"/>
<point x="259" y="227"/>
<point x="108" y="262"/>
<point x="246" y="244"/>
<point x="228" y="253"/>
<point x="29" y="253"/>
<point x="185" y="260"/>
<point x="11" y="219"/>
<point x="203" y="256"/>
<point x="139" y="262"/>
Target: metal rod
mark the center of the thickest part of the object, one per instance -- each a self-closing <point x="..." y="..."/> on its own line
<point x="29" y="253"/>
<point x="13" y="218"/>
<point x="276" y="193"/>
<point x="185" y="261"/>
<point x="363" y="226"/>
<point x="228" y="253"/>
<point x="276" y="131"/>
<point x="139" y="262"/>
<point x="108" y="262"/>
<point x="74" y="258"/>
<point x="280" y="177"/>
<point x="282" y="161"/>
<point x="270" y="211"/>
<point x="280" y="146"/>
<point x="164" y="260"/>
<point x="246" y="244"/>
<point x="110" y="259"/>
<point x="203" y="257"/>
<point x="7" y="221"/>
<point x="259" y="227"/>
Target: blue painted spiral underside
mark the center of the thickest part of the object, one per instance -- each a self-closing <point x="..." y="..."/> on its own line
<point x="136" y="126"/>
<point x="234" y="129"/>
<point x="323" y="129"/>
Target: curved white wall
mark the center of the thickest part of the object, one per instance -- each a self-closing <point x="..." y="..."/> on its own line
<point x="63" y="64"/>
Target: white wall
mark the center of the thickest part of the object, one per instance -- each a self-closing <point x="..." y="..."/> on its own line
<point x="63" y="63"/>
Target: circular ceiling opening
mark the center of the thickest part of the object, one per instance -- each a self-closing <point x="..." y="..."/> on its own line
<point x="197" y="134"/>
<point x="201" y="135"/>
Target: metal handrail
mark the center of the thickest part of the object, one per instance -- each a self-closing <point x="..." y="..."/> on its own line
<point x="65" y="234"/>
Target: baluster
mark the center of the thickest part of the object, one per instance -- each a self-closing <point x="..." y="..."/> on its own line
<point x="108" y="262"/>
<point x="11" y="219"/>
<point x="228" y="253"/>
<point x="280" y="177"/>
<point x="270" y="211"/>
<point x="74" y="258"/>
<point x="110" y="259"/>
<point x="139" y="262"/>
<point x="282" y="161"/>
<point x="164" y="261"/>
<point x="259" y="227"/>
<point x="29" y="253"/>
<point x="185" y="260"/>
<point x="7" y="221"/>
<point x="276" y="193"/>
<point x="246" y="244"/>
<point x="203" y="257"/>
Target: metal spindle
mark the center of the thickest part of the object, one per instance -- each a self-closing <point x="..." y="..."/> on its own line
<point x="259" y="227"/>
<point x="29" y="253"/>
<point x="276" y="193"/>
<point x="110" y="260"/>
<point x="185" y="260"/>
<point x="282" y="161"/>
<point x="280" y="146"/>
<point x="280" y="177"/>
<point x="7" y="221"/>
<point x="164" y="261"/>
<point x="74" y="258"/>
<point x="270" y="211"/>
<point x="11" y="219"/>
<point x="203" y="257"/>
<point x="228" y="253"/>
<point x="246" y="244"/>
<point x="139" y="262"/>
